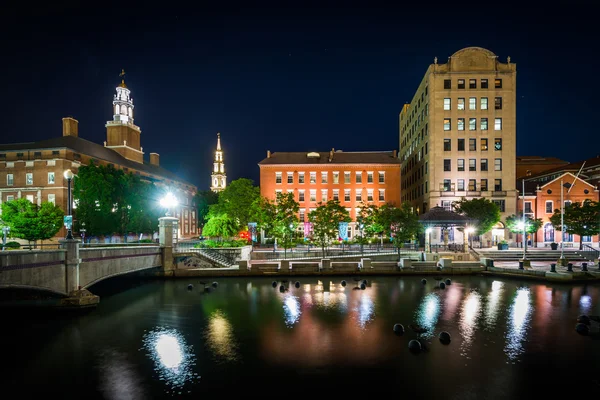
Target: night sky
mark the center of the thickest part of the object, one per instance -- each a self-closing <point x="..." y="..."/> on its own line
<point x="288" y="79"/>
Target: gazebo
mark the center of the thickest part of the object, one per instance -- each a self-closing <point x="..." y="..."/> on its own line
<point x="439" y="217"/>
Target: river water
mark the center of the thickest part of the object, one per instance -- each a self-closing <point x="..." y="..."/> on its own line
<point x="159" y="339"/>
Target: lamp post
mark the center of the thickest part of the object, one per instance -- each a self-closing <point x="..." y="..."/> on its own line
<point x="362" y="237"/>
<point x="82" y="230"/>
<point x="428" y="240"/>
<point x="469" y="231"/>
<point x="5" y="232"/>
<point x="68" y="174"/>
<point x="561" y="260"/>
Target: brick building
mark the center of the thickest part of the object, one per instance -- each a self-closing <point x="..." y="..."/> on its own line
<point x="543" y="193"/>
<point x="350" y="177"/>
<point x="458" y="135"/>
<point x="34" y="170"/>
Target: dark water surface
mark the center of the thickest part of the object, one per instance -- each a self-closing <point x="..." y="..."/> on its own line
<point x="157" y="339"/>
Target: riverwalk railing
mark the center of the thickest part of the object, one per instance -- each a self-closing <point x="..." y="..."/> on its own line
<point x="589" y="253"/>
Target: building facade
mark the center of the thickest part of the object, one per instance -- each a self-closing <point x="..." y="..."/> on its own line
<point x="34" y="170"/>
<point x="350" y="177"/>
<point x="458" y="135"/>
<point x="218" y="177"/>
<point x="533" y="165"/>
<point x="543" y="195"/>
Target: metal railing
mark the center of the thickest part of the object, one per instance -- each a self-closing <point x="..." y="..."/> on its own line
<point x="589" y="253"/>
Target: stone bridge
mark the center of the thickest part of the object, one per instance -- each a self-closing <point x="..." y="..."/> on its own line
<point x="69" y="271"/>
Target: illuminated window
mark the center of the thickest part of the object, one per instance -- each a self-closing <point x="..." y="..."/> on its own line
<point x="336" y="177"/>
<point x="498" y="164"/>
<point x="300" y="177"/>
<point x="484" y="103"/>
<point x="498" y="144"/>
<point x="358" y="195"/>
<point x="336" y="194"/>
<point x="472" y="165"/>
<point x="447" y="103"/>
<point x="50" y="178"/>
<point x="313" y="195"/>
<point x="472" y="103"/>
<point x="346" y="176"/>
<point x="324" y="177"/>
<point x="484" y="144"/>
<point x="472" y="183"/>
<point x="301" y="195"/>
<point x="324" y="195"/>
<point x="472" y="124"/>
<point x="10" y="198"/>
<point x="369" y="194"/>
<point x="484" y="124"/>
<point x="484" y="185"/>
<point x="447" y="124"/>
<point x="461" y="124"/>
<point x="29" y="178"/>
<point x="369" y="177"/>
<point x="10" y="180"/>
<point x="290" y="177"/>
<point x="498" y="83"/>
<point x="472" y="144"/>
<point x="381" y="176"/>
<point x="358" y="177"/>
<point x="460" y="185"/>
<point x="346" y="194"/>
<point x="277" y="177"/>
<point x="461" y="103"/>
<point x="460" y="164"/>
<point x="302" y="213"/>
<point x="381" y="194"/>
<point x="52" y="198"/>
<point x="313" y="177"/>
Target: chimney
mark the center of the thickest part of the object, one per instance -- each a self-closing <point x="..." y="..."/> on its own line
<point x="154" y="159"/>
<point x="268" y="153"/>
<point x="331" y="154"/>
<point x="70" y="127"/>
<point x="395" y="154"/>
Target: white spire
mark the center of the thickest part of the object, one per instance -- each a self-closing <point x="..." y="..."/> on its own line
<point x="218" y="177"/>
<point x="123" y="103"/>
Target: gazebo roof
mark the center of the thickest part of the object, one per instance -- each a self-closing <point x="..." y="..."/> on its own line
<point x="438" y="216"/>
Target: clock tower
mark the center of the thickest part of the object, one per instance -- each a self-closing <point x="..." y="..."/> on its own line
<point x="218" y="177"/>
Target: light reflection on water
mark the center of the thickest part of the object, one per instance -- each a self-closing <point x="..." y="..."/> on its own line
<point x="518" y="322"/>
<point x="428" y="313"/>
<point x="220" y="337"/>
<point x="493" y="305"/>
<point x="585" y="303"/>
<point x="470" y="313"/>
<point x="365" y="309"/>
<point x="174" y="360"/>
<point x="291" y="310"/>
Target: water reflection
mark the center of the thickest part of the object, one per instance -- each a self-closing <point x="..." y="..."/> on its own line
<point x="520" y="315"/>
<point x="173" y="359"/>
<point x="220" y="338"/>
<point x="585" y="303"/>
<point x="119" y="378"/>
<point x="291" y="310"/>
<point x="493" y="305"/>
<point x="428" y="313"/>
<point x="365" y="309"/>
<point x="471" y="310"/>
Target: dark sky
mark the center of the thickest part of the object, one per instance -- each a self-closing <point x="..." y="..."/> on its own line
<point x="288" y="79"/>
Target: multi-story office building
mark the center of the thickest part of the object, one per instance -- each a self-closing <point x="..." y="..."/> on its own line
<point x="458" y="136"/>
<point x="350" y="177"/>
<point x="34" y="170"/>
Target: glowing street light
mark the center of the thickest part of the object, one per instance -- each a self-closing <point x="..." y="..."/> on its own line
<point x="168" y="202"/>
<point x="469" y="231"/>
<point x="68" y="174"/>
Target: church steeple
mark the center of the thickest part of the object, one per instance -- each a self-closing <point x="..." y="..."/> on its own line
<point x="218" y="177"/>
<point x="122" y="135"/>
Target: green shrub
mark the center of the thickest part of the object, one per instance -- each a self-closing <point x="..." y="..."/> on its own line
<point x="13" y="245"/>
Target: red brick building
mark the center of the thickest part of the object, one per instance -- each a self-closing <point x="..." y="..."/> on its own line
<point x="34" y="170"/>
<point x="350" y="177"/>
<point x="543" y="194"/>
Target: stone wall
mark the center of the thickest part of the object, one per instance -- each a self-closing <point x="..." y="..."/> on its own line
<point x="43" y="269"/>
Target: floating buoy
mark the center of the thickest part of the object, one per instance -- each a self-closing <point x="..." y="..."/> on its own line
<point x="282" y="288"/>
<point x="414" y="346"/>
<point x="274" y="284"/>
<point x="215" y="284"/>
<point x="442" y="285"/>
<point x="208" y="289"/>
<point x="399" y="329"/>
<point x="423" y="281"/>
<point x="448" y="281"/>
<point x="444" y="337"/>
<point x="344" y="283"/>
<point x="190" y="286"/>
<point x="297" y="284"/>
<point x="584" y="319"/>
<point x="363" y="286"/>
<point x="582" y="329"/>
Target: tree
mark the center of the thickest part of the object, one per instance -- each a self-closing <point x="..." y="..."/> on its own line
<point x="219" y="225"/>
<point x="30" y="222"/>
<point x="368" y="218"/>
<point x="263" y="212"/>
<point x="484" y="213"/>
<point x="513" y="224"/>
<point x="286" y="219"/>
<point x="204" y="199"/>
<point x="326" y="219"/>
<point x="579" y="219"/>
<point x="236" y="201"/>
<point x="404" y="225"/>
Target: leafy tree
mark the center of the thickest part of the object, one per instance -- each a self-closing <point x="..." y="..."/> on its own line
<point x="236" y="201"/>
<point x="219" y="225"/>
<point x="286" y="219"/>
<point x="326" y="218"/>
<point x="531" y="225"/>
<point x="579" y="219"/>
<point x="263" y="212"/>
<point x="30" y="222"/>
<point x="204" y="199"/>
<point x="404" y="225"/>
<point x="484" y="213"/>
<point x="368" y="218"/>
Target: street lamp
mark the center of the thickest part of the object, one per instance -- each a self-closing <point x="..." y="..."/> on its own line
<point x="168" y="202"/>
<point x="68" y="174"/>
<point x="469" y="232"/>
<point x="523" y="227"/>
<point x="82" y="230"/>
<point x="5" y="232"/>
<point x="428" y="240"/>
<point x="561" y="260"/>
<point x="362" y="237"/>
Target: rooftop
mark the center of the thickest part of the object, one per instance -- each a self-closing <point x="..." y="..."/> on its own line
<point x="332" y="157"/>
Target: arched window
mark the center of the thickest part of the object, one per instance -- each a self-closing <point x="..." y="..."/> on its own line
<point x="117" y="109"/>
<point x="548" y="232"/>
<point x="130" y="112"/>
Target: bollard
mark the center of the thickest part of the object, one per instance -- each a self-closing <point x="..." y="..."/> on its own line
<point x="584" y="267"/>
<point x="570" y="267"/>
<point x="521" y="265"/>
<point x="553" y="267"/>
